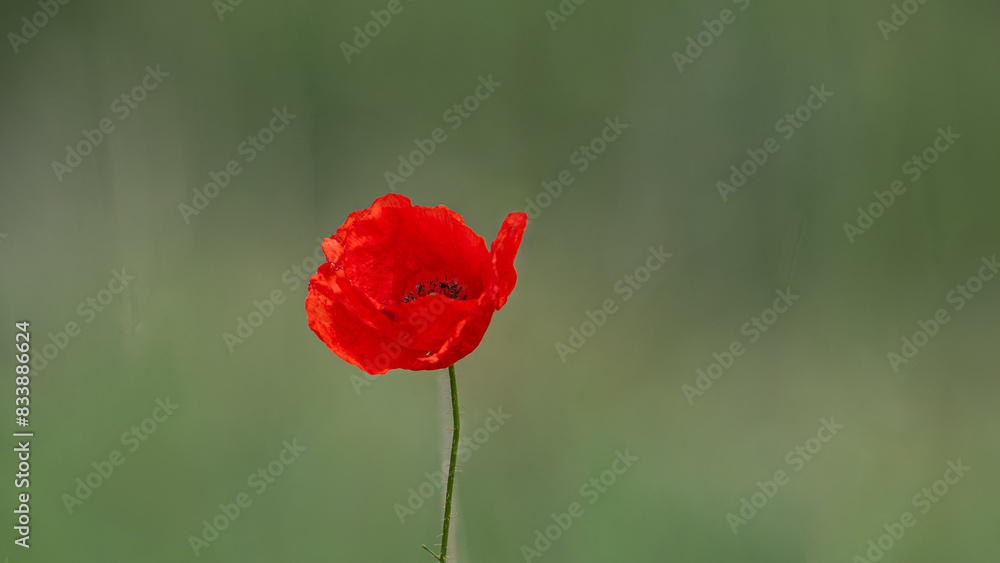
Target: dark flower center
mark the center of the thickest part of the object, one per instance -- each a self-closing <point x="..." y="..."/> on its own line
<point x="449" y="289"/>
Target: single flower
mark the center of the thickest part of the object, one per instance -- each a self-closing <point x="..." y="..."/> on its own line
<point x="410" y="287"/>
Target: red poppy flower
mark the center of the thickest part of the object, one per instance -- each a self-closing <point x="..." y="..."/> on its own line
<point x="409" y="287"/>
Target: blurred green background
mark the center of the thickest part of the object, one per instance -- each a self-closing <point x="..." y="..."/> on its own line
<point x="369" y="441"/>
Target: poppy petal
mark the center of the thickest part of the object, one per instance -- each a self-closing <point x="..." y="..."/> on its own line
<point x="503" y="250"/>
<point x="333" y="247"/>
<point x="410" y="287"/>
<point x="345" y="324"/>
<point x="385" y="255"/>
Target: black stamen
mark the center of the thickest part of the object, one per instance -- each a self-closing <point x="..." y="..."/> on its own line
<point x="450" y="289"/>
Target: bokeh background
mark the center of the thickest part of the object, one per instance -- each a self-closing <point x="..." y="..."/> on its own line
<point x="368" y="441"/>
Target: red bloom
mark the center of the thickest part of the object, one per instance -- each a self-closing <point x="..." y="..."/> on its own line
<point x="408" y="287"/>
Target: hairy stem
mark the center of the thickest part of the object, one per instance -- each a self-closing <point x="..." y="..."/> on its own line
<point x="451" y="469"/>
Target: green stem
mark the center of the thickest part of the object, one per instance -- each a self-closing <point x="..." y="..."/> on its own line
<point x="435" y="555"/>
<point x="451" y="470"/>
